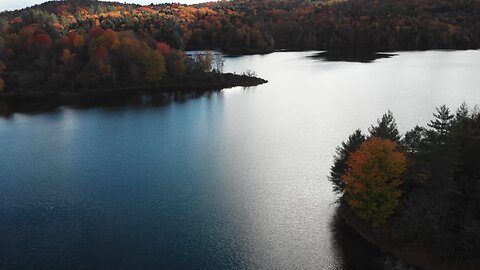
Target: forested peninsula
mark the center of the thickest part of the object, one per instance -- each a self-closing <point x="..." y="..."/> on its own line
<point x="416" y="196"/>
<point x="87" y="45"/>
<point x="60" y="50"/>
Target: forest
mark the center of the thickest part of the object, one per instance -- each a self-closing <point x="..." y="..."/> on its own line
<point x="84" y="44"/>
<point x="420" y="190"/>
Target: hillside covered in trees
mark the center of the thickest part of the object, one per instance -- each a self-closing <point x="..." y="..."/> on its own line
<point x="245" y="25"/>
<point x="45" y="52"/>
<point x="86" y="43"/>
<point x="417" y="195"/>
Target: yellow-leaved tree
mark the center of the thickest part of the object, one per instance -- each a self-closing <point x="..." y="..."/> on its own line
<point x="373" y="178"/>
<point x="154" y="66"/>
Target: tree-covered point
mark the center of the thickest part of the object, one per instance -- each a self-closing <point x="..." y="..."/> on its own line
<point x="439" y="206"/>
<point x="32" y="60"/>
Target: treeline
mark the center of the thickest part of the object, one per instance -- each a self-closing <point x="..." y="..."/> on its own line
<point x="421" y="189"/>
<point x="257" y="25"/>
<point x="302" y="24"/>
<point x="85" y="42"/>
<point x="44" y="52"/>
<point x="89" y="60"/>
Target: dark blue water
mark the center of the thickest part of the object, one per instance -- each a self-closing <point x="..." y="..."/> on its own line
<point x="235" y="179"/>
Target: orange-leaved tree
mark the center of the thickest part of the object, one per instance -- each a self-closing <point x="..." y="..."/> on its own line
<point x="373" y="178"/>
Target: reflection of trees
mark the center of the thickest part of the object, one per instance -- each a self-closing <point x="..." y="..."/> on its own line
<point x="107" y="100"/>
<point x="351" y="55"/>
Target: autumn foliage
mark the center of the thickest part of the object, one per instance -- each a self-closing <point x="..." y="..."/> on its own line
<point x="436" y="197"/>
<point x="3" y="67"/>
<point x="43" y="41"/>
<point x="83" y="44"/>
<point x="373" y="178"/>
<point x="155" y="68"/>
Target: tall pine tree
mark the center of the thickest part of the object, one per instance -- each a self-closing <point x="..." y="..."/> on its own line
<point x="386" y="128"/>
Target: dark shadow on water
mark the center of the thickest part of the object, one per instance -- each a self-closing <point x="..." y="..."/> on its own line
<point x="358" y="254"/>
<point x="351" y="55"/>
<point x="32" y="106"/>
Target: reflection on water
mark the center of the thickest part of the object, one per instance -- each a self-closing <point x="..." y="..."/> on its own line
<point x="351" y="55"/>
<point x="230" y="179"/>
<point x="107" y="100"/>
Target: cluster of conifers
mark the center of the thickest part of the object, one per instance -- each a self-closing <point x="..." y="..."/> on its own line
<point x="423" y="186"/>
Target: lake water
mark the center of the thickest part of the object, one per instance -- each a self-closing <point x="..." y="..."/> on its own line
<point x="235" y="179"/>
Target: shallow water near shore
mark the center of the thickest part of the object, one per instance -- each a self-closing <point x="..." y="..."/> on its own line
<point x="230" y="179"/>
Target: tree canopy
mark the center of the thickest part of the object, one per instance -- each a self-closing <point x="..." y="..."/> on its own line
<point x="435" y="169"/>
<point x="102" y="37"/>
<point x="373" y="178"/>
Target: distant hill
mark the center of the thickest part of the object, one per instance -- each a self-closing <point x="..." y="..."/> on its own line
<point x="246" y="25"/>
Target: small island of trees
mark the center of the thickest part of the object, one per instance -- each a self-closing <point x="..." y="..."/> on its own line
<point x="418" y="195"/>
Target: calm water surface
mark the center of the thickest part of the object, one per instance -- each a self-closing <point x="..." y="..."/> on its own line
<point x="236" y="179"/>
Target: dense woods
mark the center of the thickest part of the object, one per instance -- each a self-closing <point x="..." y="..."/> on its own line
<point x="430" y="179"/>
<point x="35" y="60"/>
<point x="301" y="24"/>
<point x="45" y="51"/>
<point x="79" y="44"/>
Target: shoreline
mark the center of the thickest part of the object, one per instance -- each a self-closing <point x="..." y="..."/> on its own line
<point x="209" y="82"/>
<point x="241" y="52"/>
<point x="409" y="253"/>
<point x="34" y="102"/>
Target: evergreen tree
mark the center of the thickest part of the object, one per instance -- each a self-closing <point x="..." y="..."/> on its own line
<point x="386" y="128"/>
<point x="462" y="112"/>
<point x="413" y="139"/>
<point x="340" y="167"/>
<point x="443" y="121"/>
